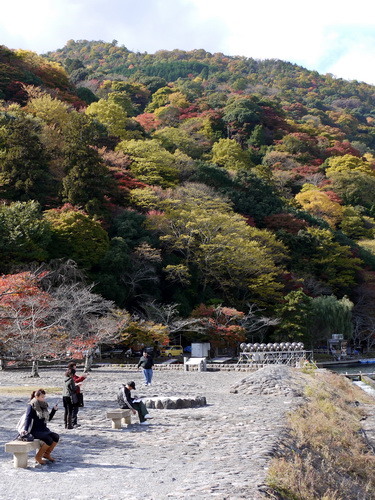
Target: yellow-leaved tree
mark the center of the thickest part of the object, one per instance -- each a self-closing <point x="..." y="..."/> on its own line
<point x="318" y="203"/>
<point x="201" y="228"/>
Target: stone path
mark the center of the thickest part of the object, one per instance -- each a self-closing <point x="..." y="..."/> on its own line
<point x="221" y="450"/>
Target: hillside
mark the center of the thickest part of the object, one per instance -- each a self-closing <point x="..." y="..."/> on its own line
<point x="22" y="67"/>
<point x="194" y="179"/>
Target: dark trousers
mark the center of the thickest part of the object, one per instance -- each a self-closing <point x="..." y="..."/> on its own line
<point x="141" y="409"/>
<point x="47" y="436"/>
<point x="75" y="413"/>
<point x="68" y="412"/>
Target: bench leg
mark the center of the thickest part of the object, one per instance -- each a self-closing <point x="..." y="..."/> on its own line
<point x="127" y="420"/>
<point x="116" y="423"/>
<point x="20" y="460"/>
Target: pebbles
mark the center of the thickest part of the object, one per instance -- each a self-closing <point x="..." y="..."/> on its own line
<point x="220" y="450"/>
<point x="272" y="380"/>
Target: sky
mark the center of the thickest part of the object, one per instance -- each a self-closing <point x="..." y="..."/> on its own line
<point x="330" y="36"/>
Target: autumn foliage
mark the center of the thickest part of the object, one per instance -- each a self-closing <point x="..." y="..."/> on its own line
<point x="181" y="177"/>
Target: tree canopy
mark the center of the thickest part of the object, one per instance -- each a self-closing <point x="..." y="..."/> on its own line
<point x="190" y="178"/>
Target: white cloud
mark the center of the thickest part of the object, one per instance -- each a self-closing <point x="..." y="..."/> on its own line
<point x="296" y="32"/>
<point x="326" y="35"/>
<point x="356" y="64"/>
<point x="40" y="25"/>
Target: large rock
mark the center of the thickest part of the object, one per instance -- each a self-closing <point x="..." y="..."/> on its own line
<point x="272" y="380"/>
<point x="174" y="403"/>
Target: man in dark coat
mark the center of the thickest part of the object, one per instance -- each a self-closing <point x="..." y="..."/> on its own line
<point x="126" y="400"/>
<point x="146" y="362"/>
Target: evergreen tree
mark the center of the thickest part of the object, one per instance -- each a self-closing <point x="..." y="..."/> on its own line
<point x="24" y="171"/>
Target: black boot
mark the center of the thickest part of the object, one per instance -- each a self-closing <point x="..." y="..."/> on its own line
<point x="70" y="423"/>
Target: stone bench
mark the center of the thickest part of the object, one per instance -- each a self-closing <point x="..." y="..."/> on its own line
<point x="20" y="449"/>
<point x="117" y="416"/>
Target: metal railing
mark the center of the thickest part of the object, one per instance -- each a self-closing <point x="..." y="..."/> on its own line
<point x="283" y="353"/>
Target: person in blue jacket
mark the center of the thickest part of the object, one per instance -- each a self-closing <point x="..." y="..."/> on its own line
<point x="37" y="413"/>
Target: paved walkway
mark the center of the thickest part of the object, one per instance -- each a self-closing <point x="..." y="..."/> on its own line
<point x="218" y="451"/>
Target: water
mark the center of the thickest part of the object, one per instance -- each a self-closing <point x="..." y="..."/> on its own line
<point x="365" y="387"/>
<point x="357" y="368"/>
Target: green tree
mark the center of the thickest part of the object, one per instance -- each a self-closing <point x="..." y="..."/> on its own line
<point x="241" y="114"/>
<point x="151" y="163"/>
<point x="50" y="110"/>
<point x="24" y="173"/>
<point x="132" y="96"/>
<point x="250" y="194"/>
<point x="315" y="254"/>
<point x="77" y="236"/>
<point x="86" y="95"/>
<point x="80" y="176"/>
<point x="355" y="225"/>
<point x="257" y="137"/>
<point x="172" y="138"/>
<point x="107" y="273"/>
<point x="87" y="181"/>
<point x="348" y="163"/>
<point x="294" y="312"/>
<point x="354" y="187"/>
<point x="127" y="233"/>
<point x="238" y="260"/>
<point x="329" y="316"/>
<point x="111" y="114"/>
<point x="139" y="333"/>
<point x="24" y="234"/>
<point x="144" y="199"/>
<point x="159" y="98"/>
<point x="228" y="153"/>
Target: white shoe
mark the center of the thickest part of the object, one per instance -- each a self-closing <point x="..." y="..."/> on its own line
<point x="145" y="423"/>
<point x="148" y="416"/>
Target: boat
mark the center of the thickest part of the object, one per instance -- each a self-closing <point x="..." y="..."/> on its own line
<point x="367" y="361"/>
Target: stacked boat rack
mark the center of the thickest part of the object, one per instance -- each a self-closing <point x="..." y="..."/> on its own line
<point x="283" y="353"/>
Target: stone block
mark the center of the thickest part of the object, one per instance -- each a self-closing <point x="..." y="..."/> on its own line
<point x="20" y="449"/>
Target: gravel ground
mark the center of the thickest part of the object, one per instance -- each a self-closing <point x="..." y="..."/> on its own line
<point x="219" y="451"/>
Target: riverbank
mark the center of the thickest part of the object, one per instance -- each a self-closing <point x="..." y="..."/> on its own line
<point x="328" y="450"/>
<point x="222" y="450"/>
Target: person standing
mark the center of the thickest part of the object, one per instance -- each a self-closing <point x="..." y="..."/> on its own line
<point x="125" y="400"/>
<point x="146" y="362"/>
<point x="37" y="413"/>
<point x="70" y="398"/>
<point x="78" y="381"/>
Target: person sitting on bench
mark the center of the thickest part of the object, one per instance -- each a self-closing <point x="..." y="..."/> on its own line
<point x="37" y="413"/>
<point x="125" y="400"/>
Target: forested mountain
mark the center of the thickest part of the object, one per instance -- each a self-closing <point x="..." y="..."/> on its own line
<point x="197" y="179"/>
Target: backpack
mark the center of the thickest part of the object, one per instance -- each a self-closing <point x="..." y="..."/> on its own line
<point x="121" y="398"/>
<point x="21" y="424"/>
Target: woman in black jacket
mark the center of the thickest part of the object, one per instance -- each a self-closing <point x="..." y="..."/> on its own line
<point x="37" y="413"/>
<point x="70" y="398"/>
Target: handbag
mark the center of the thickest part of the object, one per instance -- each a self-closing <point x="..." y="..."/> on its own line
<point x="25" y="437"/>
<point x="74" y="398"/>
<point x="21" y="424"/>
<point x="80" y="399"/>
